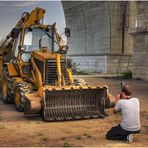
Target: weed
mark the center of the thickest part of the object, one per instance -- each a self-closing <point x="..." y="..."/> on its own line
<point x="38" y="122"/>
<point x="75" y="67"/>
<point x="68" y="132"/>
<point x="146" y="126"/>
<point x="66" y="144"/>
<point x="81" y="72"/>
<point x="29" y="122"/>
<point x="137" y="78"/>
<point x="1" y="117"/>
<point x="2" y="127"/>
<point x="45" y="139"/>
<point x="63" y="138"/>
<point x="127" y="75"/>
<point x="87" y="135"/>
<point x="79" y="138"/>
<point x="39" y="134"/>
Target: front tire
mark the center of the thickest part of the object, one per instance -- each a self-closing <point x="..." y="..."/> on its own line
<point x="7" y="95"/>
<point x="19" y="92"/>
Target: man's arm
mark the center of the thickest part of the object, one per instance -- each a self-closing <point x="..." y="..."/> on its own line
<point x="117" y="104"/>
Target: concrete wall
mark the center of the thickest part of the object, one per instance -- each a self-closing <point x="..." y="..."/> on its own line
<point x="119" y="63"/>
<point x="140" y="36"/>
<point x="96" y="41"/>
<point x="112" y="63"/>
<point x="91" y="63"/>
<point x="89" y="23"/>
<point x="116" y="12"/>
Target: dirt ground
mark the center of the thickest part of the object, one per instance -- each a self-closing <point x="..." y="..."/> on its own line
<point x="17" y="131"/>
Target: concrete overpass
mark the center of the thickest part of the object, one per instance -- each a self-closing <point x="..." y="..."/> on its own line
<point x="101" y="39"/>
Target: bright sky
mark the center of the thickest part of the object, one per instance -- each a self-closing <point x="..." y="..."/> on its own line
<point x="11" y="12"/>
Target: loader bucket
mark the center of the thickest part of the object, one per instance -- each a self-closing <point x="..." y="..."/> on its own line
<point x="74" y="103"/>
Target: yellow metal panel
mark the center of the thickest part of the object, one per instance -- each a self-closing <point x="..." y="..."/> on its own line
<point x="11" y="69"/>
<point x="69" y="72"/>
<point x="41" y="55"/>
<point x="35" y="16"/>
<point x="59" y="69"/>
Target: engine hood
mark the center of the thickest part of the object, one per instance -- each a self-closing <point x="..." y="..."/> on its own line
<point x="44" y="55"/>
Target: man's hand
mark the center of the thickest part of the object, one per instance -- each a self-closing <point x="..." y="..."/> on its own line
<point x="118" y="97"/>
<point x="114" y="111"/>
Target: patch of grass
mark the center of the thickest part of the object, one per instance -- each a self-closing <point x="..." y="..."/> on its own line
<point x="45" y="139"/>
<point x="79" y="138"/>
<point x="127" y="75"/>
<point x="87" y="135"/>
<point x="1" y="117"/>
<point x="38" y="122"/>
<point x="2" y="127"/>
<point x="75" y="67"/>
<point x="29" y="122"/>
<point x="80" y="72"/>
<point x="39" y="134"/>
<point x="146" y="126"/>
<point x="137" y="78"/>
<point x="63" y="138"/>
<point x="66" y="144"/>
<point x="68" y="132"/>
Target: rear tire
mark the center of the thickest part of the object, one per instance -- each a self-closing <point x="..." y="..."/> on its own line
<point x="7" y="94"/>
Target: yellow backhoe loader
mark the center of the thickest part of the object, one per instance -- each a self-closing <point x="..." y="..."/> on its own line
<point x="36" y="78"/>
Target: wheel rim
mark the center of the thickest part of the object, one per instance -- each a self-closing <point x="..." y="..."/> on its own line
<point x="17" y="98"/>
<point x="4" y="87"/>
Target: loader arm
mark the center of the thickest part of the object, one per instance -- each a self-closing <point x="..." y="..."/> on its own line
<point x="37" y="78"/>
<point x="26" y="21"/>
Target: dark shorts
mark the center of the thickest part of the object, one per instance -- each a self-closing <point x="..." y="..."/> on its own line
<point x="118" y="133"/>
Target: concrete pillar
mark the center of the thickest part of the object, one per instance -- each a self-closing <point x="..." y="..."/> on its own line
<point x="89" y="23"/>
<point x="140" y="36"/>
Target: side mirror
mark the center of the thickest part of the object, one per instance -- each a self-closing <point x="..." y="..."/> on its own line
<point x="67" y="32"/>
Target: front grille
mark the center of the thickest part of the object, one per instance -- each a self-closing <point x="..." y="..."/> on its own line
<point x="51" y="71"/>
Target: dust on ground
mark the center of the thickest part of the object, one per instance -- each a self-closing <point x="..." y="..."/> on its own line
<point x="17" y="131"/>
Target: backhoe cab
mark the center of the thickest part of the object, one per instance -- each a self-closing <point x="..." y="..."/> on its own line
<point x="36" y="78"/>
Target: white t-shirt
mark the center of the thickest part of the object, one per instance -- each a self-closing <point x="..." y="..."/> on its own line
<point x="130" y="109"/>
